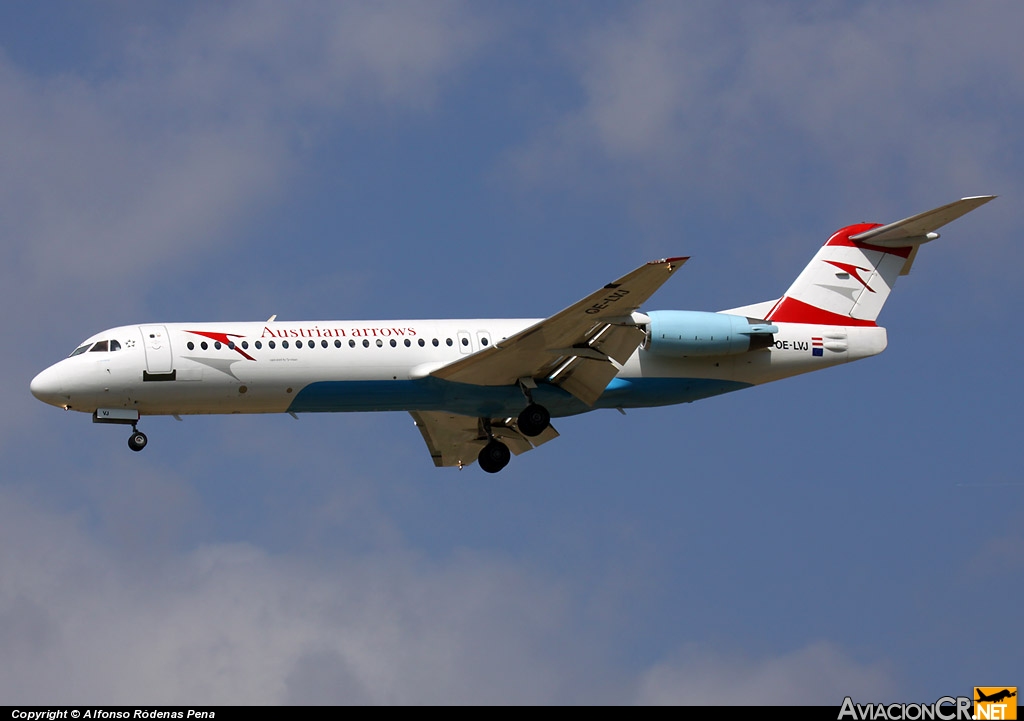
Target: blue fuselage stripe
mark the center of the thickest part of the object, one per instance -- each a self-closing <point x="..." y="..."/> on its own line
<point x="496" y="401"/>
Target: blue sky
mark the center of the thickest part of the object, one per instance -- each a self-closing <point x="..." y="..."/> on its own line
<point x="853" y="532"/>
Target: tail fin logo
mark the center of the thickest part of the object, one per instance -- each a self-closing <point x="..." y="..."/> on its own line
<point x="854" y="270"/>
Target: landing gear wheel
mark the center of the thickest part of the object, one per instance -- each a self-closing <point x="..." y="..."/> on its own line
<point x="137" y="440"/>
<point x="533" y="420"/>
<point x="494" y="456"/>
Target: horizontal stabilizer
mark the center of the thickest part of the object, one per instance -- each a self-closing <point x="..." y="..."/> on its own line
<point x="919" y="228"/>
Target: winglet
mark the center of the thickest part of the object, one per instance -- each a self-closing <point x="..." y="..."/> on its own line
<point x="671" y="263"/>
<point x="677" y="259"/>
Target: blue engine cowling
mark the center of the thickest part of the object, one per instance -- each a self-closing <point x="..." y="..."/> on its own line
<point x="699" y="333"/>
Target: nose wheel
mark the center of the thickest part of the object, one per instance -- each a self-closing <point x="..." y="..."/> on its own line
<point x="137" y="440"/>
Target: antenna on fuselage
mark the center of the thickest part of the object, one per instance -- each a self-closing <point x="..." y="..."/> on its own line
<point x="272" y="318"/>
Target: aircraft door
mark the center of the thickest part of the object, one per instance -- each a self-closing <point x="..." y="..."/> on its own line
<point x="465" y="342"/>
<point x="158" y="348"/>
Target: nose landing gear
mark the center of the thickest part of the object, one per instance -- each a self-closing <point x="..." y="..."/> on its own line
<point x="137" y="440"/>
<point x="121" y="416"/>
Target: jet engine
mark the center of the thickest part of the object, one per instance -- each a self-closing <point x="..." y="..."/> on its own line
<point x="700" y="333"/>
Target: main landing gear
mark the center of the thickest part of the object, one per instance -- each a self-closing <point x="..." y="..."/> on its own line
<point x="533" y="421"/>
<point x="494" y="456"/>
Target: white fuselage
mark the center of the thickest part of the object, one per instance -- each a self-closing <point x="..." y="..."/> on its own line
<point x="327" y="366"/>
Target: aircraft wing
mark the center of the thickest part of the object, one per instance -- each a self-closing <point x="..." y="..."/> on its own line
<point x="573" y="349"/>
<point x="455" y="440"/>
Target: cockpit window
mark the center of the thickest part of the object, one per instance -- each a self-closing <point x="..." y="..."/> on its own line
<point x="101" y="347"/>
<point x="114" y="345"/>
<point x="80" y="350"/>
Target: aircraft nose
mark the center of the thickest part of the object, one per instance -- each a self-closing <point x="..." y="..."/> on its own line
<point x="48" y="387"/>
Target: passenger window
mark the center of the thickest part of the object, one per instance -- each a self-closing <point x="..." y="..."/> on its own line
<point x="393" y="342"/>
<point x="465" y="341"/>
<point x="323" y="343"/>
<point x="203" y="345"/>
<point x="366" y="344"/>
<point x="483" y="341"/>
<point x="114" y="345"/>
<point x="298" y="344"/>
<point x="284" y="344"/>
<point x="245" y="345"/>
<point x="100" y="347"/>
<point x="231" y="345"/>
<point x="190" y="345"/>
<point x="351" y="344"/>
<point x="380" y="343"/>
<point x="216" y="345"/>
<point x="311" y="344"/>
<point x="271" y="345"/>
<point x="435" y="342"/>
<point x="448" y="341"/>
<point x="421" y="342"/>
<point x="408" y="342"/>
<point x="337" y="343"/>
<point x="258" y="344"/>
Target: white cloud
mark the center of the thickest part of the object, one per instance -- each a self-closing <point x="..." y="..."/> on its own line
<point x="819" y="674"/>
<point x="193" y="129"/>
<point x="869" y="98"/>
<point x="230" y="623"/>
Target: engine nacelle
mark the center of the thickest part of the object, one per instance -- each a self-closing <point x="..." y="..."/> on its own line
<point x="700" y="333"/>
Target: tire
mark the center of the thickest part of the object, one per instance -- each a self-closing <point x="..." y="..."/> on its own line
<point x="533" y="420"/>
<point x="494" y="456"/>
<point x="137" y="441"/>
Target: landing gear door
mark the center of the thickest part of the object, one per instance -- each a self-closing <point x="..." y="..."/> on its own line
<point x="158" y="348"/>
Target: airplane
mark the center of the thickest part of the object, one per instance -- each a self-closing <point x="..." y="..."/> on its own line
<point x="485" y="389"/>
<point x="996" y="697"/>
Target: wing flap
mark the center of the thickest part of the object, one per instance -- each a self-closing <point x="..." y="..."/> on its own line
<point x="505" y="430"/>
<point x="618" y="342"/>
<point x="452" y="440"/>
<point x="584" y="378"/>
<point x="456" y="440"/>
